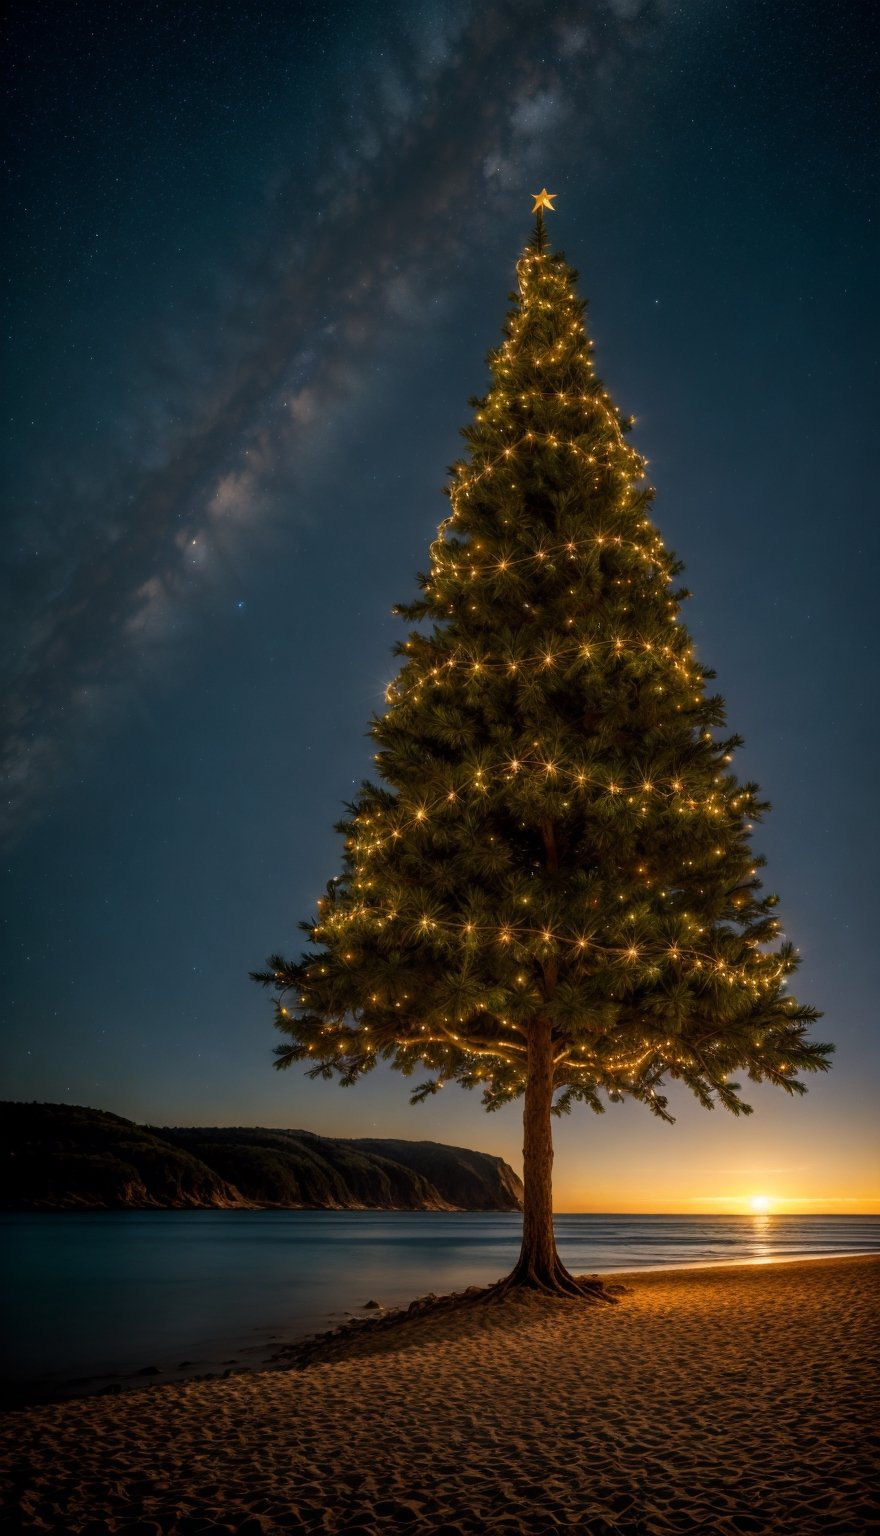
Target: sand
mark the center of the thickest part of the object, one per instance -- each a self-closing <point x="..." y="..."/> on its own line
<point x="714" y="1400"/>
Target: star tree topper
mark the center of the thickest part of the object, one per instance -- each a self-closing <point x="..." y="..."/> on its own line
<point x="544" y="199"/>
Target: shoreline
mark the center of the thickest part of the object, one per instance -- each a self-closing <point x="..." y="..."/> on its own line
<point x="774" y="1258"/>
<point x="713" y="1400"/>
<point x="44" y="1390"/>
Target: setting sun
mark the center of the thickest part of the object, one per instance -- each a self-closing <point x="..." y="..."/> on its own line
<point x="760" y="1204"/>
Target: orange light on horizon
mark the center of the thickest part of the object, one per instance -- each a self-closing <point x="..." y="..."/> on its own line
<point x="676" y="1201"/>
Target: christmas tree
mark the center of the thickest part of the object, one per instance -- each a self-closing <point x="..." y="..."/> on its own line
<point x="550" y="892"/>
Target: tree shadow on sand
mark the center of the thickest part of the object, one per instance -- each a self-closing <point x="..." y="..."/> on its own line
<point x="440" y="1319"/>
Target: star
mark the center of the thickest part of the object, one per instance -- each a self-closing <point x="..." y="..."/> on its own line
<point x="544" y="199"/>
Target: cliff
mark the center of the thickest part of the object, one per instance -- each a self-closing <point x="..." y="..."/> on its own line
<point x="66" y="1157"/>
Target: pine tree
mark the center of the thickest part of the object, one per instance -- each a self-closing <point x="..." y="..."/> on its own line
<point x="551" y="890"/>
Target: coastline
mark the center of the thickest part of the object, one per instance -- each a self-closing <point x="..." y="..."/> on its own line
<point x="740" y="1263"/>
<point x="719" y="1398"/>
<point x="239" y="1352"/>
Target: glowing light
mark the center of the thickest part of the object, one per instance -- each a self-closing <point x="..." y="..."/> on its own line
<point x="760" y="1204"/>
<point x="527" y="633"/>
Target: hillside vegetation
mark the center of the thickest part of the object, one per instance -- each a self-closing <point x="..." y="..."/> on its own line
<point x="66" y="1157"/>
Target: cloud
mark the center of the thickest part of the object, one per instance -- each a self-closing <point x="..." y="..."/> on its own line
<point x="472" y="97"/>
<point x="536" y="115"/>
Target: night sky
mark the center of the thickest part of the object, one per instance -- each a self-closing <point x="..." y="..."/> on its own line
<point x="255" y="256"/>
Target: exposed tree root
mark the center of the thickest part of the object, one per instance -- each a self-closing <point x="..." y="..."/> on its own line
<point x="552" y="1280"/>
<point x="386" y="1329"/>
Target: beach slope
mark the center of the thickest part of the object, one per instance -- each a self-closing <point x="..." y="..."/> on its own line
<point x="718" y="1401"/>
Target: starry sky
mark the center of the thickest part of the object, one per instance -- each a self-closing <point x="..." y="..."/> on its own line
<point x="255" y="254"/>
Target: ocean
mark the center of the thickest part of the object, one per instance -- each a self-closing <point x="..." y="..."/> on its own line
<point x="89" y="1299"/>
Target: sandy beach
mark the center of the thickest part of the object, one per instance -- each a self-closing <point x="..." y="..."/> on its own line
<point x="711" y="1400"/>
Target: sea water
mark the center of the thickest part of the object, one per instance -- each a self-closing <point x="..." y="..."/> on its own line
<point x="89" y="1297"/>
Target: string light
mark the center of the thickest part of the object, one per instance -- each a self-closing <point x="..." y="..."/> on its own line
<point x="545" y="412"/>
<point x="502" y="773"/>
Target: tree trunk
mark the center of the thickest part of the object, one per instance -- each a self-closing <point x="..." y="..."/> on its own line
<point x="539" y="1266"/>
<point x="538" y="1256"/>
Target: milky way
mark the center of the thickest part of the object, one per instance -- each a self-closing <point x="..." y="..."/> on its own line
<point x="429" y="137"/>
<point x="254" y="259"/>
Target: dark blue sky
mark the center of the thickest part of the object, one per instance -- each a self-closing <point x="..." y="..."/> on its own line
<point x="255" y="257"/>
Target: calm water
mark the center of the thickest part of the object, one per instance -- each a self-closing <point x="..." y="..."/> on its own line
<point x="109" y="1293"/>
